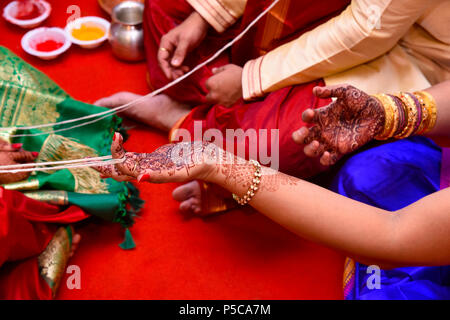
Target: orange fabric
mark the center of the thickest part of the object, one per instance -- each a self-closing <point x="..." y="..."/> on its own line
<point x="237" y="255"/>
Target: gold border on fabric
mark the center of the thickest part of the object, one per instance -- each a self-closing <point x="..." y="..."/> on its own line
<point x="52" y="262"/>
<point x="56" y="197"/>
<point x="31" y="184"/>
<point x="349" y="271"/>
<point x="22" y="106"/>
<point x="58" y="148"/>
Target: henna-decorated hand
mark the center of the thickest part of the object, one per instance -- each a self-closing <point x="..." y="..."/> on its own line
<point x="343" y="126"/>
<point x="170" y="163"/>
<point x="11" y="154"/>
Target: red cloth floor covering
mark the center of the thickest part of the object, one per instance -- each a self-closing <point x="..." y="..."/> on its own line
<point x="238" y="255"/>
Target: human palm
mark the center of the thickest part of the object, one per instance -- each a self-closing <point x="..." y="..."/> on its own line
<point x="341" y="127"/>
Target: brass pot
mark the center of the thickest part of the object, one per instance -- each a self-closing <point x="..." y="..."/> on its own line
<point x="126" y="35"/>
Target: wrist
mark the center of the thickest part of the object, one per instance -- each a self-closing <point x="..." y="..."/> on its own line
<point x="199" y="21"/>
<point x="381" y="119"/>
<point x="209" y="173"/>
<point x="239" y="81"/>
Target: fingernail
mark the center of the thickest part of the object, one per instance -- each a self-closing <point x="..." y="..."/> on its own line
<point x="175" y="61"/>
<point x="17" y="145"/>
<point x="144" y="177"/>
<point x="35" y="154"/>
<point x="117" y="136"/>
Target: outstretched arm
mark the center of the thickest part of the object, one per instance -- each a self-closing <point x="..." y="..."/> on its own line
<point x="416" y="235"/>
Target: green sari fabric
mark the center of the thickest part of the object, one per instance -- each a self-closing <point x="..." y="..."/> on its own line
<point x="28" y="97"/>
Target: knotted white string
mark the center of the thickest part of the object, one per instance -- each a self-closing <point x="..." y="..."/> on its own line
<point x="79" y="163"/>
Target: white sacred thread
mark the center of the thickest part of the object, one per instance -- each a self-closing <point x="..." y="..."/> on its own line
<point x="67" y="166"/>
<point x="89" y="162"/>
<point x="121" y="108"/>
<point x="36" y="164"/>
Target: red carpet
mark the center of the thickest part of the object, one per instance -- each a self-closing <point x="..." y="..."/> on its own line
<point x="238" y="255"/>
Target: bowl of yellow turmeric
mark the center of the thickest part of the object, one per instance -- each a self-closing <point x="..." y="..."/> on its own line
<point x="88" y="32"/>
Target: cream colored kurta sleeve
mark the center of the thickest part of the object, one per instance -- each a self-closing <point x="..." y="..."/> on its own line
<point x="365" y="30"/>
<point x="220" y="14"/>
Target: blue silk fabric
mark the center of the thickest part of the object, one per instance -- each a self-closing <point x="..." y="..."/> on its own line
<point x="392" y="176"/>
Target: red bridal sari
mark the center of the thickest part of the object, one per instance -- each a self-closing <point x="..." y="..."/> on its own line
<point x="24" y="235"/>
<point x="279" y="110"/>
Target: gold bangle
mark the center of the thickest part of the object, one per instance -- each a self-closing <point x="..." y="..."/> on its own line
<point x="430" y="105"/>
<point x="396" y="116"/>
<point x="253" y="187"/>
<point x="412" y="115"/>
<point x="425" y="115"/>
<point x="389" y="116"/>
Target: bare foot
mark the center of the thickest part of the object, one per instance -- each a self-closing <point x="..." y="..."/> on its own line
<point x="215" y="200"/>
<point x="190" y="197"/>
<point x="161" y="111"/>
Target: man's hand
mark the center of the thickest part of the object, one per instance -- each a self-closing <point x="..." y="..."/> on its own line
<point x="178" y="42"/>
<point x="225" y="86"/>
<point x="343" y="126"/>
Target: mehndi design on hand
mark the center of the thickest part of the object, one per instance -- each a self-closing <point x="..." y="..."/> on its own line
<point x="187" y="161"/>
<point x="174" y="162"/>
<point x="343" y="126"/>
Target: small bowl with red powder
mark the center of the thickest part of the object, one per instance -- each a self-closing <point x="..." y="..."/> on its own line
<point x="27" y="13"/>
<point x="46" y="43"/>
